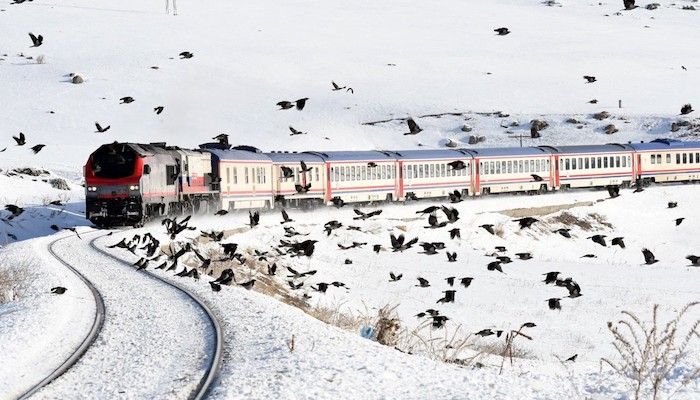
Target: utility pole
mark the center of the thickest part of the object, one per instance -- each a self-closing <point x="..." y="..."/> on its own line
<point x="167" y="7"/>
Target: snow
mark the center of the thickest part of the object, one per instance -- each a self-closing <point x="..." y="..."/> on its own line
<point x="412" y="59"/>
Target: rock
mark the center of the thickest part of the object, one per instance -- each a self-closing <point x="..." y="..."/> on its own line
<point x="481" y="139"/>
<point x="610" y="129"/>
<point x="573" y="121"/>
<point x="473" y="139"/>
<point x="466" y="128"/>
<point x="58" y="183"/>
<point x="601" y="115"/>
<point x="674" y="127"/>
<point x="653" y="6"/>
<point x="76" y="79"/>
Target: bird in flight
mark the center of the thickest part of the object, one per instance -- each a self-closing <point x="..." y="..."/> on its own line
<point x="589" y="79"/>
<point x="186" y="54"/>
<point x="100" y="129"/>
<point x="21" y="140"/>
<point x="501" y="31"/>
<point x="413" y="127"/>
<point x="36" y="40"/>
<point x="126" y="100"/>
<point x="158" y="109"/>
<point x="37" y="148"/>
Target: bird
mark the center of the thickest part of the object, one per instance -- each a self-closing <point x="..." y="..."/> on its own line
<point x="455" y="233"/>
<point x="550" y="277"/>
<point x="457" y="165"/>
<point x="37" y="148"/>
<point x="526" y="222"/>
<point x="221" y="212"/>
<point x="158" y="109"/>
<point x="428" y="210"/>
<point x="485" y="333"/>
<point x="528" y="325"/>
<point x="501" y="31"/>
<point x="36" y="40"/>
<point x="679" y="220"/>
<point x="451" y="257"/>
<point x="58" y="290"/>
<point x="285" y="217"/>
<point x="422" y="282"/>
<point x="330" y="226"/>
<point x="589" y="256"/>
<point x="372" y="164"/>
<point x="613" y="191"/>
<point x="648" y="257"/>
<point x="433" y="222"/>
<point x="672" y="204"/>
<point x="686" y="109"/>
<point x="100" y="129"/>
<point x="450" y="280"/>
<point x="248" y="285"/>
<point x="524" y="256"/>
<point x="295" y="132"/>
<point x="564" y="232"/>
<point x="694" y="260"/>
<point x="21" y="139"/>
<point x="215" y="287"/>
<point x="573" y="288"/>
<point x="254" y="219"/>
<point x="455" y="196"/>
<point x="397" y="243"/>
<point x="186" y="54"/>
<point x="589" y="79"/>
<point x="684" y="68"/>
<point x="301" y="189"/>
<point x="466" y="281"/>
<point x="488" y="228"/>
<point x="363" y="216"/>
<point x="413" y="128"/>
<point x="301" y="103"/>
<point x="572" y="358"/>
<point x="554" y="303"/>
<point x="594" y="101"/>
<point x="3" y="149"/>
<point x="126" y="100"/>
<point x="336" y="87"/>
<point x="618" y="241"/>
<point x="600" y="239"/>
<point x="629" y="4"/>
<point x="439" y="321"/>
<point x="451" y="213"/>
<point x="394" y="277"/>
<point x="495" y="266"/>
<point x="221" y="138"/>
<point x="285" y="105"/>
<point x="536" y="177"/>
<point x="337" y="202"/>
<point x="449" y="297"/>
<point x="377" y="248"/>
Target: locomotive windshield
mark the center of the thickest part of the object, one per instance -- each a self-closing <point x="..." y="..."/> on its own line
<point x="113" y="161"/>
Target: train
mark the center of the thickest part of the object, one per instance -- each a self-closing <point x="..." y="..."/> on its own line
<point x="130" y="183"/>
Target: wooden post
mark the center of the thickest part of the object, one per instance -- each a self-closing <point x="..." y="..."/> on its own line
<point x="619" y="104"/>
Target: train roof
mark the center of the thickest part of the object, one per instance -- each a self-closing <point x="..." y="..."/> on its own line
<point x="233" y="154"/>
<point x="294" y="157"/>
<point x="363" y="155"/>
<point x="441" y="154"/>
<point x="585" y="149"/>
<point x="508" y="151"/>
<point x="142" y="149"/>
<point x="665" y="144"/>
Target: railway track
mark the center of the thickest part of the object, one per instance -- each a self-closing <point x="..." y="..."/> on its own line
<point x="173" y="342"/>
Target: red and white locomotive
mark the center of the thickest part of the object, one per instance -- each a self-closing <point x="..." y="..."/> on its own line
<point x="130" y="182"/>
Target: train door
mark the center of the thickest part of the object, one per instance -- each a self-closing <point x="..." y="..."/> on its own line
<point x="329" y="190"/>
<point x="556" y="171"/>
<point x="476" y="177"/>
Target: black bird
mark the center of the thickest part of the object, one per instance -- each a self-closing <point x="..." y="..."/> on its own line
<point x="304" y="168"/>
<point x="589" y="256"/>
<point x="600" y="239"/>
<point x="21" y="140"/>
<point x="495" y="266"/>
<point x="572" y="358"/>
<point x="648" y="257"/>
<point x="629" y="4"/>
<point x="295" y="132"/>
<point x="287" y="172"/>
<point x="100" y="129"/>
<point x="564" y="232"/>
<point x="377" y="248"/>
<point x="363" y="216"/>
<point x="285" y="217"/>
<point x="451" y="213"/>
<point x="397" y="243"/>
<point x="285" y="105"/>
<point x="536" y="177"/>
<point x="672" y="204"/>
<point x="529" y="325"/>
<point x="15" y="210"/>
<point x="428" y="248"/>
<point x="589" y="79"/>
<point x="457" y="165"/>
<point x="321" y="287"/>
<point x="428" y="210"/>
<point x="301" y="189"/>
<point x="504" y="259"/>
<point x="248" y="285"/>
<point x="451" y="257"/>
<point x="338" y="202"/>
<point x="301" y="103"/>
<point x="485" y="332"/>
<point x="186" y="54"/>
<point x="58" y="290"/>
<point x="550" y="277"/>
<point x="694" y="260"/>
<point x="254" y="219"/>
<point x="613" y="191"/>
<point x="455" y="234"/>
<point x="372" y="164"/>
<point x="450" y="280"/>
<point x="159" y="109"/>
<point x="433" y="222"/>
<point x="439" y="321"/>
<point x="455" y="197"/>
<point x="500" y="248"/>
<point x="37" y="148"/>
<point x="466" y="281"/>
<point x="618" y="241"/>
<point x="449" y="297"/>
<point x="221" y="138"/>
<point x="221" y="212"/>
<point x="594" y="101"/>
<point x="679" y="220"/>
<point x="413" y="128"/>
<point x="331" y="226"/>
<point x="524" y="256"/>
<point x="686" y="109"/>
<point x="573" y="288"/>
<point x="126" y="100"/>
<point x="36" y="40"/>
<point x="336" y="87"/>
<point x="422" y="282"/>
<point x="215" y="287"/>
<point x="394" y="278"/>
<point x="554" y="303"/>
<point x="489" y="228"/>
<point x="501" y="31"/>
<point x="526" y="222"/>
<point x="272" y="269"/>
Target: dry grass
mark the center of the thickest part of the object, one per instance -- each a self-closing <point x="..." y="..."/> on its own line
<point x="15" y="278"/>
<point x="650" y="353"/>
<point x="592" y="221"/>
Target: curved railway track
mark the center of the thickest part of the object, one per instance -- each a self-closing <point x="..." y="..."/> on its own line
<point x="104" y="315"/>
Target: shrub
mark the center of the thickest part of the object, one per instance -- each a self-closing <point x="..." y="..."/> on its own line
<point x="15" y="278"/>
<point x="650" y="354"/>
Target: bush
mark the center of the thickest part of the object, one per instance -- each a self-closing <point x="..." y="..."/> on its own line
<point x="15" y="278"/>
<point x="650" y="353"/>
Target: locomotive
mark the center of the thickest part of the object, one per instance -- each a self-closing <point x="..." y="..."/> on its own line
<point x="129" y="183"/>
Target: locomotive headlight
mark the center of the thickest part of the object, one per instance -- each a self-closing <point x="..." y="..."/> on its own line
<point x="134" y="187"/>
<point x="92" y="188"/>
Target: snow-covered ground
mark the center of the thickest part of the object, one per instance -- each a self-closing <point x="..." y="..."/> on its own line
<point x="408" y="59"/>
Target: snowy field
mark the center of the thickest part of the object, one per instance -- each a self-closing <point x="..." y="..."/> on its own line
<point x="441" y="63"/>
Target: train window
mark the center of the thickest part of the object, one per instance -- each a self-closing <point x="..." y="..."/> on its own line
<point x="617" y="161"/>
<point x="498" y="168"/>
<point x="526" y="166"/>
<point x="246" y="175"/>
<point x="347" y="173"/>
<point x="235" y="175"/>
<point x="390" y="170"/>
<point x="573" y="163"/>
<point x="599" y="163"/>
<point x="685" y="158"/>
<point x="425" y="168"/>
<point x="567" y="164"/>
<point x="668" y="158"/>
<point x="264" y="175"/>
<point x="443" y="170"/>
<point x="580" y="163"/>
<point x="318" y="177"/>
<point x="431" y="168"/>
<point x="605" y="162"/>
<point x="690" y="157"/>
<point x="228" y="176"/>
<point x="335" y="173"/>
<point x="410" y="171"/>
<point x="363" y="173"/>
<point x="697" y="157"/>
<point x="678" y="158"/>
<point x="520" y="166"/>
<point x="353" y="177"/>
<point x="624" y="161"/>
<point x="510" y="167"/>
